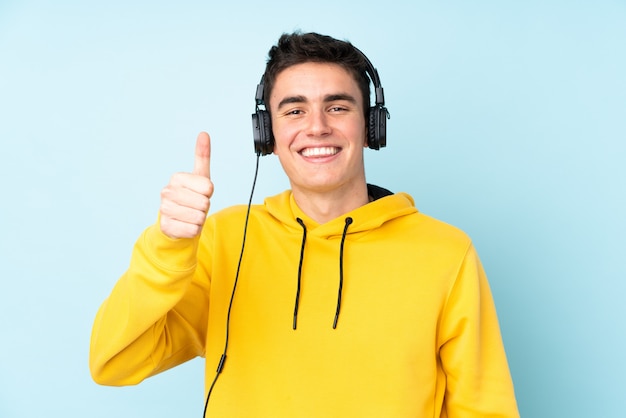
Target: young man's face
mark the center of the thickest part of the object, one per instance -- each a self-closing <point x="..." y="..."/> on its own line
<point x="319" y="127"/>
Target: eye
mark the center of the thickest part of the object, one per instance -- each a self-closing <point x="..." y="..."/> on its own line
<point x="294" y="112"/>
<point x="338" y="109"/>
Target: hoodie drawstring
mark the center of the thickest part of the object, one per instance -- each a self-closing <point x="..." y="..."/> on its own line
<point x="340" y="291"/>
<point x="295" y="309"/>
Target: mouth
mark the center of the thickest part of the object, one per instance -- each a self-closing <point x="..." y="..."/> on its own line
<point x="319" y="151"/>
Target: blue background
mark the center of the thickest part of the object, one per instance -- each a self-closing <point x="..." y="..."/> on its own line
<point x="508" y="120"/>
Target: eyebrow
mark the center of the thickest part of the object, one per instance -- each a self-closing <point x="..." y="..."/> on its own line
<point x="327" y="99"/>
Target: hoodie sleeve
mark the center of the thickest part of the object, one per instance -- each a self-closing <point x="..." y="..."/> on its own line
<point x="471" y="349"/>
<point x="152" y="319"/>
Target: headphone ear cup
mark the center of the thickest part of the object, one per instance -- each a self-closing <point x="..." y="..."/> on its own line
<point x="262" y="132"/>
<point x="377" y="127"/>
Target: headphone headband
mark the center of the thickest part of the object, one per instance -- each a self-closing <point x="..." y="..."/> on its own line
<point x="372" y="72"/>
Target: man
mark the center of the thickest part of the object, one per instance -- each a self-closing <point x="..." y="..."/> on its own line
<point x="344" y="302"/>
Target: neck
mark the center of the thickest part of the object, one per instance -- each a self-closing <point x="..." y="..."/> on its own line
<point x="328" y="205"/>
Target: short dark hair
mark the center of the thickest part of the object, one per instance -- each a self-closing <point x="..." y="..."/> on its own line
<point x="298" y="48"/>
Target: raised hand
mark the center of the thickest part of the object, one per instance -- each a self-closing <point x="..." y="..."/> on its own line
<point x="185" y="201"/>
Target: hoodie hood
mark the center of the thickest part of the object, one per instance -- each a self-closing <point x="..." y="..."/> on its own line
<point x="385" y="207"/>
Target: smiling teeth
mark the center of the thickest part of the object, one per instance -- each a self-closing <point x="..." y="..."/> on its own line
<point x="319" y="152"/>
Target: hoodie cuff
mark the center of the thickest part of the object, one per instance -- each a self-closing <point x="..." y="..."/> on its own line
<point x="169" y="253"/>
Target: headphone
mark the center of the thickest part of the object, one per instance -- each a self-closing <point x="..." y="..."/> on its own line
<point x="377" y="121"/>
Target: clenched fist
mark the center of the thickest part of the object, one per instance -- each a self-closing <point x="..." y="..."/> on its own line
<point x="186" y="199"/>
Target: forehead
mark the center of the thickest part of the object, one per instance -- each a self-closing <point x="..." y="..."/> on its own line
<point x="313" y="79"/>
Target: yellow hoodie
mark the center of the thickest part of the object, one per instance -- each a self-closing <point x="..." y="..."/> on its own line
<point x="416" y="332"/>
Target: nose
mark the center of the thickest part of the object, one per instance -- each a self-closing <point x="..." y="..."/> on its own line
<point x="318" y="124"/>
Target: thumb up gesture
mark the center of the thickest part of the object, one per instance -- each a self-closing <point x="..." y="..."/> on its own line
<point x="185" y="200"/>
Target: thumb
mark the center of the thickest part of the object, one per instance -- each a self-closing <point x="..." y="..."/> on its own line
<point x="201" y="165"/>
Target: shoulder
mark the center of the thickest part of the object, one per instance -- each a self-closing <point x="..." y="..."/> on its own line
<point x="438" y="228"/>
<point x="424" y="230"/>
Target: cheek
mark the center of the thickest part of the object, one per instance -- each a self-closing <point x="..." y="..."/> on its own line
<point x="363" y="134"/>
<point x="283" y="137"/>
<point x="280" y="145"/>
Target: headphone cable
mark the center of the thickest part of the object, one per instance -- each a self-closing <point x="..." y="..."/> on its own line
<point x="220" y="366"/>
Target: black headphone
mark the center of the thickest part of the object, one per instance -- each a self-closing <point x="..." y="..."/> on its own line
<point x="377" y="123"/>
